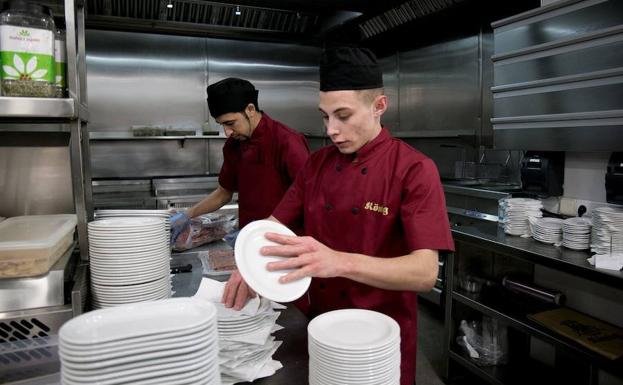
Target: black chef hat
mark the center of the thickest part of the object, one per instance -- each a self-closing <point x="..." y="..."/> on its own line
<point x="231" y="95"/>
<point x="349" y="68"/>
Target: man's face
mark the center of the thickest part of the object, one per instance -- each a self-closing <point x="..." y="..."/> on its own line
<point x="350" y="120"/>
<point x="235" y="124"/>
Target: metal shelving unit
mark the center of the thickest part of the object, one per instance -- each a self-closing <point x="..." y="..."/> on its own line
<point x="39" y="121"/>
<point x="512" y="311"/>
<point x="69" y="115"/>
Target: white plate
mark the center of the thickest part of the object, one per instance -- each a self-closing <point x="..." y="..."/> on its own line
<point x="130" y="321"/>
<point x="252" y="265"/>
<point x="354" y="329"/>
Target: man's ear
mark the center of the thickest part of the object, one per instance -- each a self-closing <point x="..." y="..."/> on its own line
<point x="379" y="105"/>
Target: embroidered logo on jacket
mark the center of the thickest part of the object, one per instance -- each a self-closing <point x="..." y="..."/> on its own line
<point x="377" y="208"/>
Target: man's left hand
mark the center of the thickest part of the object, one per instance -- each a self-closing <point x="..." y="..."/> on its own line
<point x="307" y="257"/>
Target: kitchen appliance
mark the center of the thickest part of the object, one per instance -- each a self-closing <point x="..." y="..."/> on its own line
<point x="614" y="179"/>
<point x="542" y="172"/>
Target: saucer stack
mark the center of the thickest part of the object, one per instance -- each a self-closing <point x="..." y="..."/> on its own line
<point x="354" y="346"/>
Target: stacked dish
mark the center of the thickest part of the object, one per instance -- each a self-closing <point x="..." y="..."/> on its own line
<point x="607" y="234"/>
<point x="173" y="341"/>
<point x="129" y="261"/>
<point x="576" y="233"/>
<point x="353" y="346"/>
<point x="110" y="213"/>
<point x="546" y="230"/>
<point x="514" y="214"/>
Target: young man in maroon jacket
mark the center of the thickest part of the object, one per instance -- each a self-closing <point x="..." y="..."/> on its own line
<point x="372" y="207"/>
<point x="261" y="156"/>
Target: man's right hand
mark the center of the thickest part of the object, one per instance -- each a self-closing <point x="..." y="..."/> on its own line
<point x="179" y="222"/>
<point x="237" y="292"/>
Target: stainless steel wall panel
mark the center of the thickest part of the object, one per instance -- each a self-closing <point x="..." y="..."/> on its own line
<point x="144" y="79"/>
<point x="595" y="58"/>
<point x="35" y="180"/>
<point x="147" y="158"/>
<point x="437" y="77"/>
<point x="585" y="16"/>
<point x="391" y="118"/>
<point x="285" y="74"/>
<point x="215" y="155"/>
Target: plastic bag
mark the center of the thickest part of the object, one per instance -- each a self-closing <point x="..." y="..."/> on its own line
<point x="217" y="261"/>
<point x="204" y="229"/>
<point x="485" y="342"/>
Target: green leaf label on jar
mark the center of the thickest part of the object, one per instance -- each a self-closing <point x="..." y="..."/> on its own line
<point x="27" y="53"/>
<point x="60" y="58"/>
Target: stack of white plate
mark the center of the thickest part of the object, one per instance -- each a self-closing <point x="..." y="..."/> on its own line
<point x="353" y="346"/>
<point x="576" y="233"/>
<point x="173" y="341"/>
<point x="514" y="214"/>
<point x="129" y="261"/>
<point x="116" y="213"/>
<point x="607" y="234"/>
<point x="546" y="230"/>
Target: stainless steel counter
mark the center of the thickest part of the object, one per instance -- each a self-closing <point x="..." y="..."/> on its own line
<point x="292" y="353"/>
<point x="571" y="261"/>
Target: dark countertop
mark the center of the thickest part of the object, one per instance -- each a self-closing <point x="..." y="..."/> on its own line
<point x="561" y="258"/>
<point x="292" y="353"/>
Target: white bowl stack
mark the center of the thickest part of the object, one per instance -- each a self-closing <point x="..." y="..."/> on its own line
<point x="129" y="261"/>
<point x="514" y="214"/>
<point x="607" y="234"/>
<point x="576" y="233"/>
<point x="173" y="341"/>
<point x="546" y="230"/>
<point x="353" y="346"/>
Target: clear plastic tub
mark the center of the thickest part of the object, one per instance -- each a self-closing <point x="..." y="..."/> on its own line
<point x="30" y="245"/>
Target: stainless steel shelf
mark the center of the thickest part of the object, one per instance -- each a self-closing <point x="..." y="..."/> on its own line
<point x="15" y="107"/>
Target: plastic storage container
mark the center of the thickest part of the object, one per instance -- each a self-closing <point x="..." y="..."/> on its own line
<point x="27" y="50"/>
<point x="30" y="245"/>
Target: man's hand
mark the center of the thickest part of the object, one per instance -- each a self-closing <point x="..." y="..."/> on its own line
<point x="179" y="222"/>
<point x="237" y="292"/>
<point x="308" y="258"/>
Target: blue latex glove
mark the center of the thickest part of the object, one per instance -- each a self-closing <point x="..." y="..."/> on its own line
<point x="179" y="222"/>
<point x="231" y="238"/>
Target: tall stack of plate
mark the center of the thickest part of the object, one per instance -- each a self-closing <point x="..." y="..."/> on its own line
<point x="607" y="234"/>
<point x="116" y="213"/>
<point x="576" y="233"/>
<point x="354" y="346"/>
<point x="173" y="341"/>
<point x="546" y="230"/>
<point x="129" y="261"/>
<point x="514" y="214"/>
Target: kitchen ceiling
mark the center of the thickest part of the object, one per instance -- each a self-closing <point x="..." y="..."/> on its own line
<point x="299" y="20"/>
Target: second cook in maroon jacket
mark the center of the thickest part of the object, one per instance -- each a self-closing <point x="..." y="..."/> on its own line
<point x="261" y="156"/>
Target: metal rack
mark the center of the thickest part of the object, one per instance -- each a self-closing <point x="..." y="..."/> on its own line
<point x="35" y="115"/>
<point x="582" y="363"/>
<point x="26" y="118"/>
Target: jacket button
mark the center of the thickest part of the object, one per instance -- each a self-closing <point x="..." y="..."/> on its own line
<point x="328" y="207"/>
<point x="343" y="294"/>
<point x="355" y="210"/>
<point x="364" y="171"/>
<point x="338" y="167"/>
<point x="322" y="286"/>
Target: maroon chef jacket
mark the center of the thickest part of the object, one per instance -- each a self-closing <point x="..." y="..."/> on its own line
<point x="385" y="201"/>
<point x="262" y="167"/>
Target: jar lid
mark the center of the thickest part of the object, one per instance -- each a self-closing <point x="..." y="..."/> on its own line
<point x="27" y="6"/>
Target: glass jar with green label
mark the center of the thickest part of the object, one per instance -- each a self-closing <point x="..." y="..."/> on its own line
<point x="60" y="64"/>
<point x="27" y="50"/>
